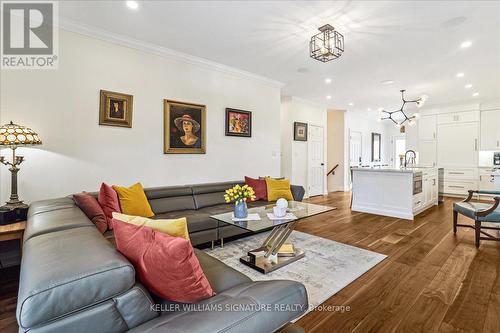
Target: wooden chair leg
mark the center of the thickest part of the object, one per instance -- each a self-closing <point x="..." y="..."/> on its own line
<point x="477" y="227"/>
<point x="455" y="220"/>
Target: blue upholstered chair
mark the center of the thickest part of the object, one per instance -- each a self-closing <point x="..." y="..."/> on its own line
<point x="480" y="212"/>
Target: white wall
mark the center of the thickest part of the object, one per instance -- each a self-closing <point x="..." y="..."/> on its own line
<point x="78" y="154"/>
<point x="294" y="153"/>
<point x="336" y="149"/>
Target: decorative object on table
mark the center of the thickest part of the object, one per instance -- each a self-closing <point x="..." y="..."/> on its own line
<point x="327" y="45"/>
<point x="13" y="136"/>
<point x="399" y="117"/>
<point x="184" y="128"/>
<point x="280" y="209"/>
<point x="115" y="109"/>
<point x="376" y="147"/>
<point x="299" y="131"/>
<point x="239" y="195"/>
<point x="238" y="123"/>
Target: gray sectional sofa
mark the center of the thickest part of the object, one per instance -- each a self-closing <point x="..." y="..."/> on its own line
<point x="74" y="280"/>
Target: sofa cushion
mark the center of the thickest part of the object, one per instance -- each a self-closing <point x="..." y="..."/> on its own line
<point x="108" y="199"/>
<point x="247" y="304"/>
<point x="56" y="220"/>
<point x="133" y="200"/>
<point x="166" y="265"/>
<point x="89" y="205"/>
<point x="169" y="199"/>
<point x="207" y="195"/>
<point x="66" y="271"/>
<point x="278" y="188"/>
<point x="259" y="187"/>
<point x="220" y="275"/>
<point x="172" y="227"/>
<point x="196" y="220"/>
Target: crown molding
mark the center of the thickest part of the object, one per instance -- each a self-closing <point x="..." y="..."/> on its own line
<point x="107" y="36"/>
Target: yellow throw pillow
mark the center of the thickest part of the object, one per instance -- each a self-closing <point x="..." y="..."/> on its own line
<point x="133" y="200"/>
<point x="173" y="227"/>
<point x="278" y="188"/>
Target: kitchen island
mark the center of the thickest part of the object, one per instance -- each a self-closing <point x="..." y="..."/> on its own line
<point x="395" y="192"/>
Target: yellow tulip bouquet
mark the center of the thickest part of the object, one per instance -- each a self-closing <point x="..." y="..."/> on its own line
<point x="239" y="194"/>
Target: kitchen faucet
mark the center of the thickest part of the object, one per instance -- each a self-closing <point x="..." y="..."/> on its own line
<point x="412" y="158"/>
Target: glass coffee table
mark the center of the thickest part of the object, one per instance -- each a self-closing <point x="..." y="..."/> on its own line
<point x="267" y="258"/>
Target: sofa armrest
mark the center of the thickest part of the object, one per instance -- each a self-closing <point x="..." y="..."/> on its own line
<point x="297" y="192"/>
<point x="262" y="306"/>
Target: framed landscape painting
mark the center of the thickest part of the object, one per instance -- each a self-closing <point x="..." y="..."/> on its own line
<point x="299" y="131"/>
<point x="238" y="123"/>
<point x="115" y="109"/>
<point x="184" y="127"/>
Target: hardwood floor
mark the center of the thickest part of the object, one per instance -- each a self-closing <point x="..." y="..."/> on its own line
<point x="432" y="281"/>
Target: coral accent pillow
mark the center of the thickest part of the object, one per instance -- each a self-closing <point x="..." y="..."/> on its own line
<point x="259" y="187"/>
<point x="166" y="265"/>
<point x="89" y="205"/>
<point x="133" y="200"/>
<point x="278" y="188"/>
<point x="172" y="227"/>
<point x="108" y="199"/>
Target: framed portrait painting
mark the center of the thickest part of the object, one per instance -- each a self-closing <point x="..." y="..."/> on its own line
<point x="115" y="109"/>
<point x="238" y="123"/>
<point x="299" y="131"/>
<point x="184" y="128"/>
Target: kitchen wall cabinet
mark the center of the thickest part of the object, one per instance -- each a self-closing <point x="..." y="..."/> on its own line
<point x="458" y="144"/>
<point x="427" y="153"/>
<point x="490" y="130"/>
<point x="427" y="128"/>
<point x="458" y="117"/>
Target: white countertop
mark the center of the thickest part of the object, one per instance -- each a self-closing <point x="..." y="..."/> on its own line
<point x="392" y="169"/>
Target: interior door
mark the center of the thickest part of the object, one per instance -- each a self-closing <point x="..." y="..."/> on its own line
<point x="316" y="163"/>
<point x="458" y="145"/>
<point x="355" y="150"/>
<point x="398" y="147"/>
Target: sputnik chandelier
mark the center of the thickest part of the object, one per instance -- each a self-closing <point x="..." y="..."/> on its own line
<point x="326" y="45"/>
<point x="399" y="117"/>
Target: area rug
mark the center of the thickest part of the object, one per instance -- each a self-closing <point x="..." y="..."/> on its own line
<point x="327" y="267"/>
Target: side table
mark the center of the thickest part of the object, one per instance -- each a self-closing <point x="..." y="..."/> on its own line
<point x="13" y="231"/>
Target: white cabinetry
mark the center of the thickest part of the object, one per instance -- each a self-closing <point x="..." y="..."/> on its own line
<point x="458" y="144"/>
<point x="429" y="195"/>
<point x="427" y="144"/>
<point x="427" y="128"/>
<point x="490" y="130"/>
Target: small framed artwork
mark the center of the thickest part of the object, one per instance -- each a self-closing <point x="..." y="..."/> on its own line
<point x="184" y="128"/>
<point x="115" y="109"/>
<point x="376" y="147"/>
<point x="238" y="123"/>
<point x="299" y="131"/>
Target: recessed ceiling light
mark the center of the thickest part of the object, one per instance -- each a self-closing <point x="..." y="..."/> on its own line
<point x="369" y="109"/>
<point x="468" y="86"/>
<point x="132" y="4"/>
<point x="460" y="74"/>
<point x="328" y="97"/>
<point x="351" y="104"/>
<point x="475" y="94"/>
<point x="466" y="44"/>
<point x="328" y="80"/>
<point x="387" y="82"/>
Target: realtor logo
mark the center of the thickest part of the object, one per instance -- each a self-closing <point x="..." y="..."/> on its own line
<point x="29" y="35"/>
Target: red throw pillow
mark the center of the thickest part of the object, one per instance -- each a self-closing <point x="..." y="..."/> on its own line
<point x="108" y="199"/>
<point x="166" y="265"/>
<point x="259" y="187"/>
<point x="89" y="205"/>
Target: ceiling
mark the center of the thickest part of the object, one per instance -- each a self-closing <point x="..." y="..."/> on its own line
<point x="414" y="43"/>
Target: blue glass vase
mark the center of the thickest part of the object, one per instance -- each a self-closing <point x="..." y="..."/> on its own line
<point x="240" y="209"/>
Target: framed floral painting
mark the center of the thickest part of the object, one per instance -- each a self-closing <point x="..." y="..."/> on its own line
<point x="238" y="123"/>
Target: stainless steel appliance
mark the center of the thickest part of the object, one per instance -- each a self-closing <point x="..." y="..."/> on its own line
<point x="417" y="182"/>
<point x="496" y="158"/>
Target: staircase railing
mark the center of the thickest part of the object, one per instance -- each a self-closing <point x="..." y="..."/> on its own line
<point x="332" y="172"/>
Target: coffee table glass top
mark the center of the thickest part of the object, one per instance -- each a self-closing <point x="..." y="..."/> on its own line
<point x="299" y="209"/>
